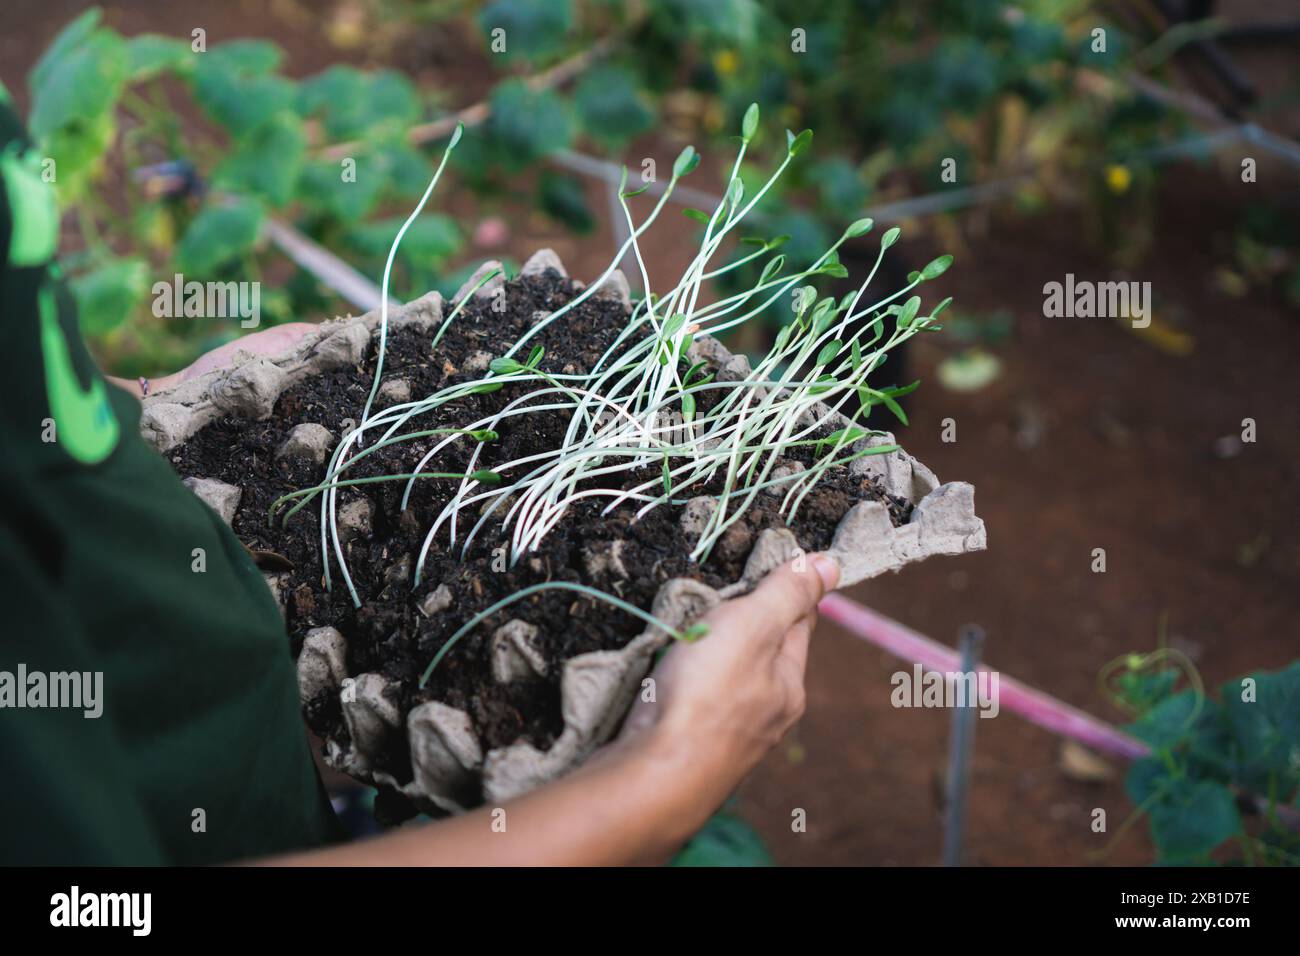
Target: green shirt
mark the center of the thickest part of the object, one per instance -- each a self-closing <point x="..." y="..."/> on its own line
<point x="108" y="564"/>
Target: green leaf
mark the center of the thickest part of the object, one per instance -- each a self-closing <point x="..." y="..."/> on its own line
<point x="855" y="355"/>
<point x="803" y="298"/>
<point x="70" y="37"/>
<point x="890" y="237"/>
<point x="823" y="316"/>
<point x="1141" y="688"/>
<point x="1265" y="730"/>
<point x="80" y="85"/>
<point x="564" y="199"/>
<point x="697" y="215"/>
<point x="722" y="23"/>
<point x="323" y="188"/>
<point x="393" y="102"/>
<point x="908" y="312"/>
<point x="150" y="54"/>
<point x="936" y="268"/>
<point x="726" y="840"/>
<point x="736" y="192"/>
<point x="1168" y="722"/>
<point x="894" y="407"/>
<point x="526" y="125"/>
<point x="879" y="325"/>
<point x="1144" y="779"/>
<point x="688" y="407"/>
<point x="401" y="172"/>
<point x="693" y="633"/>
<point x="354" y="105"/>
<point x="1191" y="818"/>
<point x="859" y="228"/>
<point x="773" y="268"/>
<point x="824" y="383"/>
<point x="431" y="240"/>
<point x="506" y="366"/>
<point x="849" y="434"/>
<point x="685" y="162"/>
<point x="840" y="187"/>
<point x="108" y="294"/>
<point x="829" y="351"/>
<point x="267" y="162"/>
<point x="750" y="124"/>
<point x="78" y="151"/>
<point x="535" y="357"/>
<point x="901" y="390"/>
<point x="533" y="28"/>
<point x="610" y="105"/>
<point x="238" y="101"/>
<point x="693" y="375"/>
<point x="336" y="90"/>
<point x="219" y="235"/>
<point x="249" y="57"/>
<point x="673" y="324"/>
<point x="797" y="144"/>
<point x="870" y="396"/>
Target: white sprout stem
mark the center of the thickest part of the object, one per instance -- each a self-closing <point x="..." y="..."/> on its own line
<point x="622" y="409"/>
<point x="388" y="268"/>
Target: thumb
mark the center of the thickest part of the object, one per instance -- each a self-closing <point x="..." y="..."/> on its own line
<point x="785" y="596"/>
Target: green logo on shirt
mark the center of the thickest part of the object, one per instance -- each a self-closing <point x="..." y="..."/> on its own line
<point x="33" y="210"/>
<point x="87" y="427"/>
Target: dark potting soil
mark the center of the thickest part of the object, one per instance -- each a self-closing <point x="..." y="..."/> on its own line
<point x="388" y="634"/>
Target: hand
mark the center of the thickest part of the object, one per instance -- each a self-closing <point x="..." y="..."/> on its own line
<point x="729" y="697"/>
<point x="273" y="341"/>
<point x="269" y="342"/>
<point x="723" y="701"/>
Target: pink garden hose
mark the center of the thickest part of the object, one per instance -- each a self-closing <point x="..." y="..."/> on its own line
<point x="1035" y="706"/>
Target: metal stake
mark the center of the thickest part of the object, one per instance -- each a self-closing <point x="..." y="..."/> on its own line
<point x="959" y="755"/>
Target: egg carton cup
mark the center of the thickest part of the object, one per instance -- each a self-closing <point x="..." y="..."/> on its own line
<point x="450" y="770"/>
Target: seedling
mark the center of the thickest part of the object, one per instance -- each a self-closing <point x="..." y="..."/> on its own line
<point x="651" y="401"/>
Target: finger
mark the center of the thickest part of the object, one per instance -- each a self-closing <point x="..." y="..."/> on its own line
<point x="786" y="595"/>
<point x="275" y="339"/>
<point x="271" y="342"/>
<point x="794" y="647"/>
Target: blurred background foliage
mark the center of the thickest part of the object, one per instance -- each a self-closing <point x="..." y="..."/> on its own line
<point x="1207" y="753"/>
<point x="892" y="89"/>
